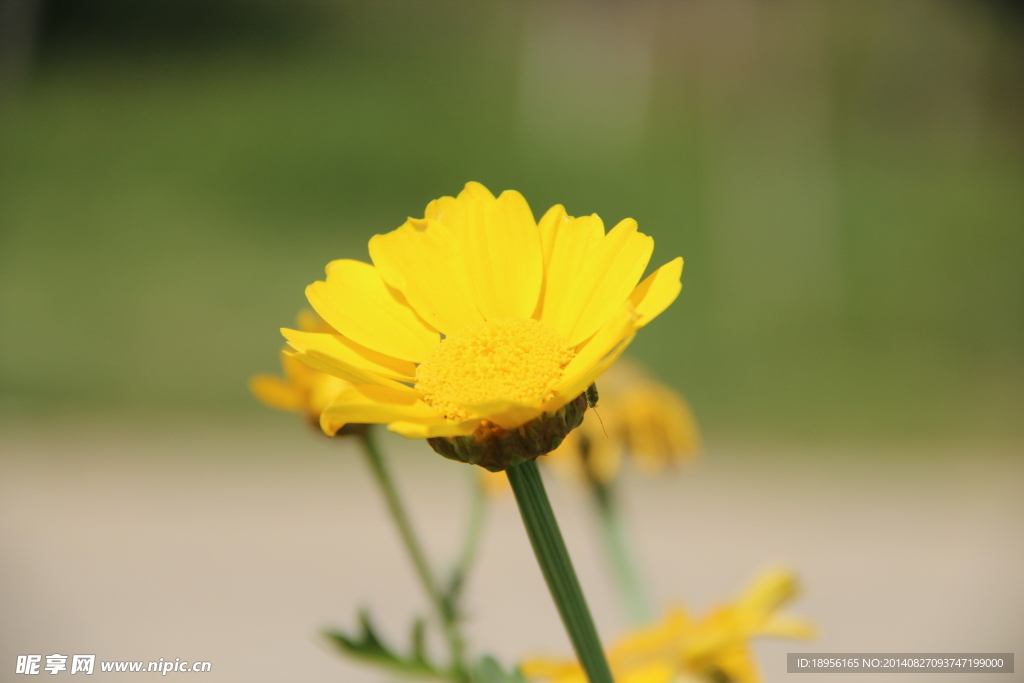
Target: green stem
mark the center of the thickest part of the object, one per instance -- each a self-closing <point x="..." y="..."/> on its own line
<point x="637" y="603"/>
<point x="415" y="550"/>
<point x="470" y="544"/>
<point x="553" y="558"/>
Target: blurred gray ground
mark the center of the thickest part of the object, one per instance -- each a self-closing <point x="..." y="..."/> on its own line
<point x="234" y="543"/>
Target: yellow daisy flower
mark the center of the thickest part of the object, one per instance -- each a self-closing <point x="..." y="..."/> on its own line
<point x="679" y="648"/>
<point x="476" y="320"/>
<point x="720" y="641"/>
<point x="302" y="389"/>
<point x="637" y="416"/>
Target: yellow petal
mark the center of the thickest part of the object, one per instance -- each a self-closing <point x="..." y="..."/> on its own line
<point x="351" y="354"/>
<point x="373" y="404"/>
<point x="324" y="389"/>
<point x="574" y="241"/>
<point x="789" y="627"/>
<point x="650" y="641"/>
<point x="737" y="662"/>
<point x="311" y="322"/>
<point x="276" y="393"/>
<point x="427" y="430"/>
<point x="441" y="208"/>
<point x="576" y="385"/>
<point x="661" y="671"/>
<point x="608" y="278"/>
<point x="502" y="253"/>
<point x="594" y="357"/>
<point x="493" y="483"/>
<point x="297" y="372"/>
<point x="475" y="190"/>
<point x="337" y="368"/>
<point x="507" y="414"/>
<point x="423" y="260"/>
<point x="456" y="212"/>
<point x="553" y="670"/>
<point x="356" y="302"/>
<point x="657" y="291"/>
<point x="622" y="325"/>
<point x="549" y="225"/>
<point x="768" y="592"/>
<point x="657" y="425"/>
<point x="603" y="457"/>
<point x="339" y="356"/>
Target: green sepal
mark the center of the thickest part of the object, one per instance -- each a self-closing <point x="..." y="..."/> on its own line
<point x="497" y="449"/>
<point x="369" y="647"/>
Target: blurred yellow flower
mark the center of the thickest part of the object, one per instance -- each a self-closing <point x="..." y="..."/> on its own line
<point x="636" y="416"/>
<point x="477" y="317"/>
<point x="494" y="483"/>
<point x="302" y="389"/>
<point x="681" y="648"/>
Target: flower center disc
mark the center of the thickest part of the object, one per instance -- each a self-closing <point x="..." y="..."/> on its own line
<point x="519" y="359"/>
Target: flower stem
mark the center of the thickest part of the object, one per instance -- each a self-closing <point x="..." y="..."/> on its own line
<point x="470" y="544"/>
<point x="445" y="615"/>
<point x="553" y="558"/>
<point x="638" y="605"/>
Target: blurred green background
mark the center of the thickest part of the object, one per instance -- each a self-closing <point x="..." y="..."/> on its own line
<point x="845" y="181"/>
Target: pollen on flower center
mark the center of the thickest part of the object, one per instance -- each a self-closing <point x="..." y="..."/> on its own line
<point x="518" y="359"/>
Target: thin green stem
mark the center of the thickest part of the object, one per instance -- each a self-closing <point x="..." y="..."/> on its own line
<point x="471" y="542"/>
<point x="412" y="545"/>
<point x="553" y="558"/>
<point x="613" y="531"/>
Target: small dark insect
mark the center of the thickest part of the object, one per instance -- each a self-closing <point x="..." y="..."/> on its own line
<point x="592" y="398"/>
